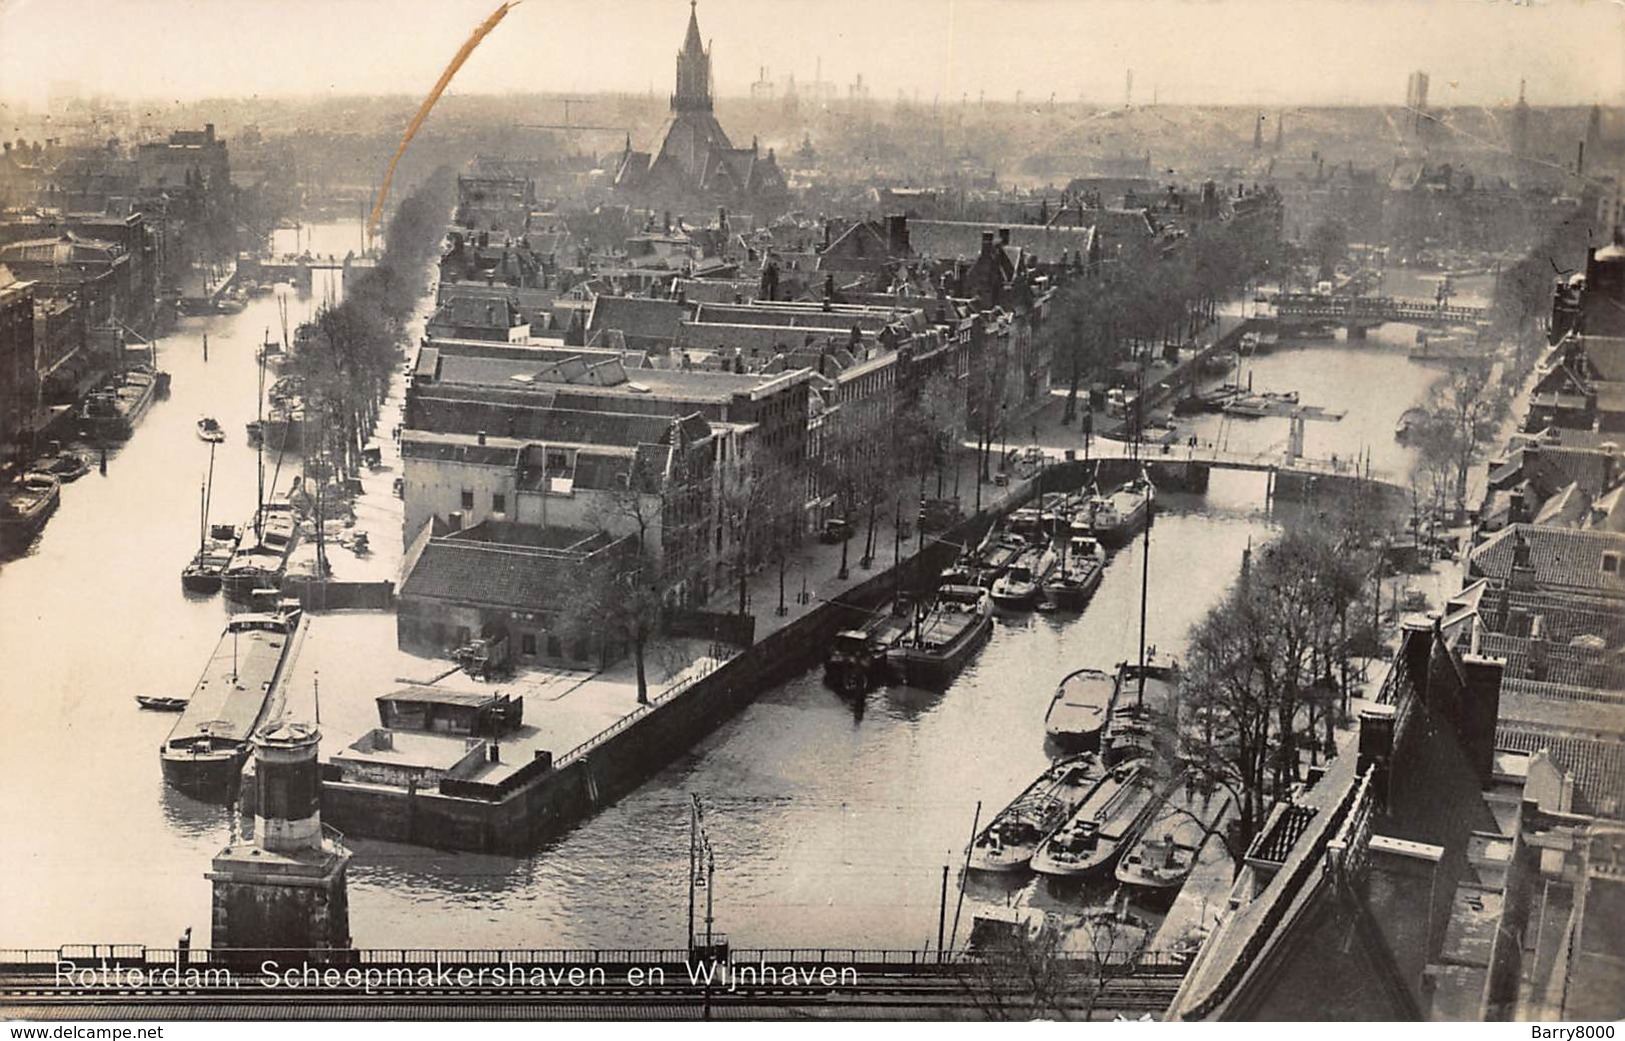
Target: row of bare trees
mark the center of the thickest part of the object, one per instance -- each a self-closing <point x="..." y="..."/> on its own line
<point x="350" y="349"/>
<point x="1155" y="297"/>
<point x="1268" y="673"/>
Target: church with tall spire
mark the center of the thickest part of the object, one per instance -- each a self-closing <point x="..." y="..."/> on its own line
<point x="694" y="163"/>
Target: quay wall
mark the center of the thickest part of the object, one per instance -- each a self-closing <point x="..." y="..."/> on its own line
<point x="330" y="595"/>
<point x="1191" y="369"/>
<point x="560" y="798"/>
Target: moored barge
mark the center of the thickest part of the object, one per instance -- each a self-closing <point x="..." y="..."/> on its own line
<point x="944" y="636"/>
<point x="203" y="755"/>
<point x="25" y="505"/>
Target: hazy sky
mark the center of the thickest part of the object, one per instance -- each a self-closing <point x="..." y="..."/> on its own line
<point x="1240" y="51"/>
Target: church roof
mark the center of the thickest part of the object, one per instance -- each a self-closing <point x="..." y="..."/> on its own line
<point x="694" y="155"/>
<point x="691" y="42"/>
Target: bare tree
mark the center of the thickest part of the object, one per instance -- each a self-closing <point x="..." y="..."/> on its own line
<point x="762" y="506"/>
<point x="840" y="468"/>
<point x="622" y="600"/>
<point x="1268" y="663"/>
<point x="1464" y="420"/>
<point x="619" y="602"/>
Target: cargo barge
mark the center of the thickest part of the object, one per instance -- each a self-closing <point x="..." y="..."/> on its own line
<point x="241" y="685"/>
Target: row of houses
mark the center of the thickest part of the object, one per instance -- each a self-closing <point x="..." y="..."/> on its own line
<point x="541" y="399"/>
<point x="1468" y="863"/>
<point x="96" y="240"/>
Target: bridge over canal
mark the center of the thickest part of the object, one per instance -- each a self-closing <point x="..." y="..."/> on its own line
<point x="1359" y="313"/>
<point x="1291" y="476"/>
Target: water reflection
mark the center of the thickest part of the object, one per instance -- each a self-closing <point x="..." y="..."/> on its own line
<point x="831" y="817"/>
<point x="910" y="703"/>
<point x="189" y="818"/>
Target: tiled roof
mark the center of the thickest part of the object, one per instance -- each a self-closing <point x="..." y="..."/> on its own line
<point x="1560" y="557"/>
<point x="1597" y="765"/>
<point x="950" y="240"/>
<point x="67" y="248"/>
<point x="466" y="312"/>
<point x="637" y="317"/>
<point x="1567" y="508"/>
<point x="479" y="455"/>
<point x="863" y="246"/>
<point x="1557" y="662"/>
<point x="1563" y="618"/>
<point x="1551" y="467"/>
<point x="488" y="574"/>
<point x="554" y="425"/>
<point x="1541" y="695"/>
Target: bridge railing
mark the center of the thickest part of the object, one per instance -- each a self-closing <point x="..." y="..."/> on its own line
<point x="1374" y="307"/>
<point x="136" y="956"/>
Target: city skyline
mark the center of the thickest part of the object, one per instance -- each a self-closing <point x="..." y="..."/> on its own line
<point x="1179" y="52"/>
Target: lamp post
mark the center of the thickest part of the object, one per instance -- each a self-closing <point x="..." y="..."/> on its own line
<point x="1004" y="434"/>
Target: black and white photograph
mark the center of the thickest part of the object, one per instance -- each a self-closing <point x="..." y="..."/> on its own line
<point x="807" y="510"/>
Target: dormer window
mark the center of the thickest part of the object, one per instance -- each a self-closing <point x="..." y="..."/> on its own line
<point x="1610" y="563"/>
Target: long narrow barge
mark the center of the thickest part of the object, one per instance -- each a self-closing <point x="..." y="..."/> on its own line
<point x="203" y="755"/>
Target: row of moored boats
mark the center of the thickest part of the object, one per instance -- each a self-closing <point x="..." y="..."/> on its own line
<point x="1121" y="808"/>
<point x="1118" y="804"/>
<point x="107" y="416"/>
<point x="1051" y="555"/>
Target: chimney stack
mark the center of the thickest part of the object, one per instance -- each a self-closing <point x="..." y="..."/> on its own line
<point x="1480" y="708"/>
<point x="897" y="235"/>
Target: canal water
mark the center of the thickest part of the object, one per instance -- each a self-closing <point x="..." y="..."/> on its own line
<point x="1372" y="381"/>
<point x="831" y="820"/>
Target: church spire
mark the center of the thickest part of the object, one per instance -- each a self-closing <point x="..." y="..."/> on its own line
<point x="693" y="68"/>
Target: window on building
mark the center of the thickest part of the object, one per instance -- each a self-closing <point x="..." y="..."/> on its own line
<point x="464" y="634"/>
<point x="1610" y="563"/>
<point x="555" y="649"/>
<point x="468" y="498"/>
<point x="527" y="644"/>
<point x="499" y="502"/>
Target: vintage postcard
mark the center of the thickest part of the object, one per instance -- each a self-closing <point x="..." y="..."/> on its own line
<point x="937" y="509"/>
